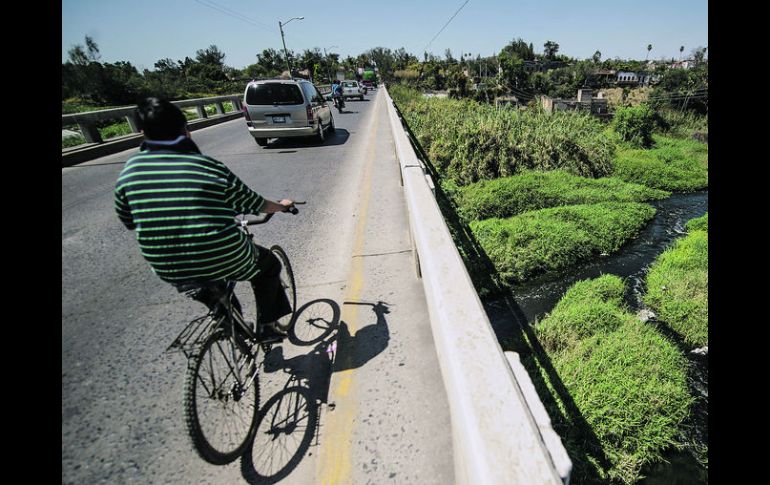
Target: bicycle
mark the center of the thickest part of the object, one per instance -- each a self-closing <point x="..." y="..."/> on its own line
<point x="221" y="397"/>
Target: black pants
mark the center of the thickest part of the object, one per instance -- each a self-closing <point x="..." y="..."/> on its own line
<point x="269" y="294"/>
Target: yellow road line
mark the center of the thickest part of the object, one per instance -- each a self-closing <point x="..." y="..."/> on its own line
<point x="335" y="455"/>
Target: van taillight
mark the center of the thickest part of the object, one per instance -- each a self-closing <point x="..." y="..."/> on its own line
<point x="246" y="113"/>
<point x="310" y="120"/>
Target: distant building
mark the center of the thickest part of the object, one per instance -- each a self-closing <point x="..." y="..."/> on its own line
<point x="685" y="64"/>
<point x="506" y="100"/>
<point x="597" y="106"/>
<point x="627" y="78"/>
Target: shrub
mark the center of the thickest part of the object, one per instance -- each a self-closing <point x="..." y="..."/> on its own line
<point x="635" y="124"/>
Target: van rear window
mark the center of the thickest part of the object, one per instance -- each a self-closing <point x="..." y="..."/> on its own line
<point x="274" y="93"/>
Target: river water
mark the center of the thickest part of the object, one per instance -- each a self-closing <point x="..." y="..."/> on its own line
<point x="536" y="298"/>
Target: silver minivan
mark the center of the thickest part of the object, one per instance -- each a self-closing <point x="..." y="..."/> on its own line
<point x="281" y="108"/>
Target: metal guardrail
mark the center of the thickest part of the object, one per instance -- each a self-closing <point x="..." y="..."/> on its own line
<point x="501" y="432"/>
<point x="87" y="121"/>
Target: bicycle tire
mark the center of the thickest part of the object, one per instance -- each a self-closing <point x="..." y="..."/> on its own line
<point x="289" y="286"/>
<point x="214" y="442"/>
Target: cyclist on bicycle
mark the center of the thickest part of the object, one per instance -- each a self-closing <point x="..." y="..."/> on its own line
<point x="337" y="92"/>
<point x="182" y="205"/>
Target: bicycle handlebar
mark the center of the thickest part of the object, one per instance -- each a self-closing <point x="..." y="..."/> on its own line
<point x="253" y="220"/>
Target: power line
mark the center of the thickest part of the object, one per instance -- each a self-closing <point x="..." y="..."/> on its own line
<point x="234" y="14"/>
<point x="442" y="28"/>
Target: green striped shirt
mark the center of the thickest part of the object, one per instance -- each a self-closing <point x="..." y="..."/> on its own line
<point x="182" y="206"/>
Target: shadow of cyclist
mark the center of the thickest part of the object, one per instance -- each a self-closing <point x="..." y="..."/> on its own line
<point x="287" y="423"/>
<point x="353" y="351"/>
<point x="289" y="420"/>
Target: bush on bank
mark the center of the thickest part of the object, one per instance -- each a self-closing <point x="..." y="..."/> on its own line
<point x="677" y="285"/>
<point x="628" y="382"/>
<point x="509" y="196"/>
<point x="635" y="124"/>
<point x="553" y="239"/>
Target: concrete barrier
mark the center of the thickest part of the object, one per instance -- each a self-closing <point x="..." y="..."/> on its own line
<point x="501" y="433"/>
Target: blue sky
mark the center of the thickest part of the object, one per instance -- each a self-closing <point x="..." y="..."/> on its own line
<point x="144" y="31"/>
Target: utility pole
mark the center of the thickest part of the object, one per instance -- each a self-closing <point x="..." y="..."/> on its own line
<point x="328" y="69"/>
<point x="285" y="52"/>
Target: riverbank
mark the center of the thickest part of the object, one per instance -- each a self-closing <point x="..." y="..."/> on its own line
<point x="619" y="389"/>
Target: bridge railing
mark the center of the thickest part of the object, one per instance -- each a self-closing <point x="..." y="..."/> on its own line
<point x="87" y="121"/>
<point x="501" y="432"/>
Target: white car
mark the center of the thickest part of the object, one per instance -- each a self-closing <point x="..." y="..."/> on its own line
<point x="351" y="89"/>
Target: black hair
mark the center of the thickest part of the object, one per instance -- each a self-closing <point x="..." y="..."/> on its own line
<point x="159" y="119"/>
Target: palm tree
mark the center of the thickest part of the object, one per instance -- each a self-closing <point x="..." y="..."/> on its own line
<point x="649" y="48"/>
<point x="681" y="49"/>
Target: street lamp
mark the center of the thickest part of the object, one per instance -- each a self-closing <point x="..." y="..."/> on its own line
<point x="285" y="52"/>
<point x="328" y="69"/>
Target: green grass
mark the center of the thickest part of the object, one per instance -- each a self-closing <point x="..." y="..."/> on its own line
<point x="698" y="224"/>
<point x="115" y="129"/>
<point x="72" y="141"/>
<point x="673" y="164"/>
<point x="551" y="240"/>
<point x="677" y="285"/>
<point x="509" y="196"/>
<point x="627" y="381"/>
<point x="682" y="125"/>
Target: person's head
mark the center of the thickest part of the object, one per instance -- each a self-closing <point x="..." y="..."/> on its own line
<point x="161" y="120"/>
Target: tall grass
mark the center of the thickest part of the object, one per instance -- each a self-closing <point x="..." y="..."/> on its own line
<point x="628" y="382"/>
<point x="677" y="285"/>
<point x="468" y="141"/>
<point x="682" y="124"/>
<point x="677" y="165"/>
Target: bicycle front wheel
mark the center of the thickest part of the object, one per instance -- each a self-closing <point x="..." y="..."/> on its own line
<point x="287" y="282"/>
<point x="221" y="400"/>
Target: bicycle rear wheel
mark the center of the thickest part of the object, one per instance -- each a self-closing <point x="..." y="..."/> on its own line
<point x="221" y="400"/>
<point x="287" y="282"/>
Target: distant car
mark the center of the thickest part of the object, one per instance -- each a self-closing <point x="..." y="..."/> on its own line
<point x="282" y="108"/>
<point x="351" y="89"/>
<point x="368" y="84"/>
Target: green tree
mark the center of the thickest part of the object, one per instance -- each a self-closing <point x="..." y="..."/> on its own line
<point x="271" y="61"/>
<point x="551" y="48"/>
<point x="513" y="72"/>
<point x="457" y="82"/>
<point x="521" y="49"/>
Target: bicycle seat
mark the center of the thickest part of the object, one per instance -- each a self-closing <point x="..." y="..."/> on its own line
<point x="208" y="293"/>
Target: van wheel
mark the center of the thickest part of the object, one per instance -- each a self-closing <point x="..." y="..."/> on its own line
<point x="332" y="128"/>
<point x="261" y="141"/>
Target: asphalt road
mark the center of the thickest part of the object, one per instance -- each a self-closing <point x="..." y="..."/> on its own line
<point x="367" y="402"/>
